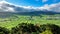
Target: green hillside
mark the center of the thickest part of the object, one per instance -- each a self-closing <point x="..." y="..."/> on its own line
<point x="15" y="19"/>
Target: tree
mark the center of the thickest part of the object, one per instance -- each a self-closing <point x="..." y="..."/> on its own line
<point x="4" y="30"/>
<point x="25" y="28"/>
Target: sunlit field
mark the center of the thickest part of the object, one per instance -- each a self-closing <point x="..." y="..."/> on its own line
<point x="29" y="16"/>
<point x="13" y="21"/>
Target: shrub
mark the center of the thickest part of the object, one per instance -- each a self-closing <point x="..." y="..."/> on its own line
<point x="24" y="27"/>
<point x="4" y="30"/>
<point x="54" y="28"/>
<point x="47" y="32"/>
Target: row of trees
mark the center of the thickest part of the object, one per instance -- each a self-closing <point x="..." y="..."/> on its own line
<point x="25" y="28"/>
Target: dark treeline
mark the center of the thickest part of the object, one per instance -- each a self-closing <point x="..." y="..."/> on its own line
<point x="28" y="28"/>
<point x="4" y="30"/>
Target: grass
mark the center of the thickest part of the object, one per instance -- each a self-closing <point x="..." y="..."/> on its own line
<point x="14" y="21"/>
<point x="47" y="32"/>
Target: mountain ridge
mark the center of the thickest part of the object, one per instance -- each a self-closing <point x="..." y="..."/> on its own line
<point x="7" y="8"/>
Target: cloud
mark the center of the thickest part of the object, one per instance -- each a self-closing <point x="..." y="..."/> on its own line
<point x="9" y="7"/>
<point x="51" y="7"/>
<point x="4" y="6"/>
<point x="44" y="1"/>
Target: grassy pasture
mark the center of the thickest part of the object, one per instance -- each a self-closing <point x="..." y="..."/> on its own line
<point x="16" y="19"/>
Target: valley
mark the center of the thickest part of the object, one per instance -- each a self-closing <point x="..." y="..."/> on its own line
<point x="11" y="20"/>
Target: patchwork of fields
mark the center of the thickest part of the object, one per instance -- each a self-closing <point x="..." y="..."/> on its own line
<point x="14" y="20"/>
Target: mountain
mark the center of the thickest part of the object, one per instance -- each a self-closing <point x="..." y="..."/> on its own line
<point x="7" y="9"/>
<point x="37" y="13"/>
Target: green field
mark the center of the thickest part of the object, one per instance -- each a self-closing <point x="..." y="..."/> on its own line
<point x="13" y="21"/>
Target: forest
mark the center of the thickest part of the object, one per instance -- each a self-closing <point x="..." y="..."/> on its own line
<point x="28" y="28"/>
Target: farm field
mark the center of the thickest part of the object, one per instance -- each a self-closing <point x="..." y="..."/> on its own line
<point x="13" y="21"/>
<point x="29" y="17"/>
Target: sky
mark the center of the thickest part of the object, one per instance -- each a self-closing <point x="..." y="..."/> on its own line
<point x="27" y="5"/>
<point x="34" y="3"/>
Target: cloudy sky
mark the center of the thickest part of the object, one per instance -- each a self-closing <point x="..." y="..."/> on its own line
<point x="15" y="5"/>
<point x="36" y="3"/>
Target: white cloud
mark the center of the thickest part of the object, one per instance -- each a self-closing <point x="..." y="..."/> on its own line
<point x="44" y="0"/>
<point x="4" y="7"/>
<point x="52" y="7"/>
<point x="9" y="7"/>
